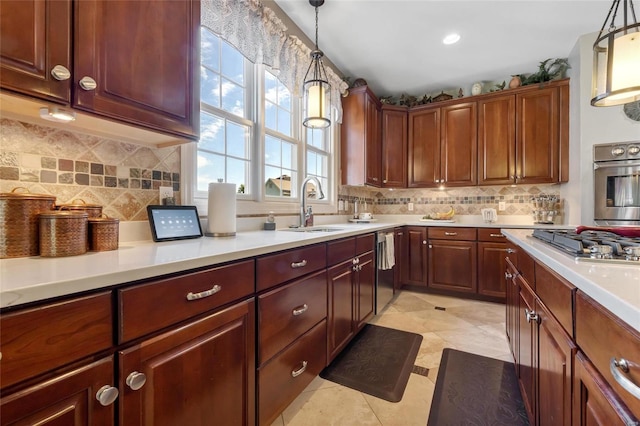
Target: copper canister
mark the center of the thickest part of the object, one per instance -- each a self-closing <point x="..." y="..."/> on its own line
<point x="103" y="233"/>
<point x="93" y="210"/>
<point x="63" y="233"/>
<point x="19" y="223"/>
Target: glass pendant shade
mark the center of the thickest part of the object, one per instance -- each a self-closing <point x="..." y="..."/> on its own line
<point x="317" y="94"/>
<point x="616" y="65"/>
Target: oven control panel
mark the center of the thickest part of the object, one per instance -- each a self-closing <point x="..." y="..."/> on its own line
<point x="616" y="151"/>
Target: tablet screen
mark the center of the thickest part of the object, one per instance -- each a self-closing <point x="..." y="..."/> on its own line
<point x="174" y="222"/>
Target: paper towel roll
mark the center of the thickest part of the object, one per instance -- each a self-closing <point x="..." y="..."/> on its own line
<point x="222" y="210"/>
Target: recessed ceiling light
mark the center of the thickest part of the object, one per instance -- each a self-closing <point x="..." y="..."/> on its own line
<point x="57" y="114"/>
<point x="451" y="38"/>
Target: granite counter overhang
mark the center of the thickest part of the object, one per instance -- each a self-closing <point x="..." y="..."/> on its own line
<point x="614" y="286"/>
<point x="32" y="279"/>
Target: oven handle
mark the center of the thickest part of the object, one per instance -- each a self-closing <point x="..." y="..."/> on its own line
<point x="610" y="164"/>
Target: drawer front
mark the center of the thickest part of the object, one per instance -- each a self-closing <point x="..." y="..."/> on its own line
<point x="365" y="243"/>
<point x="341" y="250"/>
<point x="282" y="267"/>
<point x="465" y="234"/>
<point x="557" y="295"/>
<point x="149" y="307"/>
<point x="290" y="311"/>
<point x="284" y="377"/>
<point x="602" y="336"/>
<point x="40" y="339"/>
<point x="526" y="266"/>
<point x="491" y="235"/>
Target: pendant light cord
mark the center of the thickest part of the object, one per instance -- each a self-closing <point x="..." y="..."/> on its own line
<point x="316" y="27"/>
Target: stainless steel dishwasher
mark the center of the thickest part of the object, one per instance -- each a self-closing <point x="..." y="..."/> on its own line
<point x="385" y="265"/>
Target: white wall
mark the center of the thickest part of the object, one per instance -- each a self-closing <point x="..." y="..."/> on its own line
<point x="588" y="126"/>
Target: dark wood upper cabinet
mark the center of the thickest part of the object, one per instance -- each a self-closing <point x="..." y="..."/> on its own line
<point x="394" y="146"/>
<point x="146" y="75"/>
<point x="35" y="38"/>
<point x="360" y="138"/>
<point x="423" y="167"/>
<point x="496" y="140"/>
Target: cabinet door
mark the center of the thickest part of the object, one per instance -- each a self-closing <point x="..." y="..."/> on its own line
<point x="399" y="247"/>
<point x="555" y="358"/>
<point x="146" y="75"/>
<point x="35" y="37"/>
<point x="458" y="154"/>
<point x="452" y="265"/>
<point x="537" y="136"/>
<point x="365" y="287"/>
<point x="340" y="313"/>
<point x="497" y="140"/>
<point x="372" y="142"/>
<point x="491" y="267"/>
<point x="526" y="351"/>
<point x="414" y="263"/>
<point x="68" y="399"/>
<point x="594" y="402"/>
<point x="196" y="374"/>
<point x="513" y="309"/>
<point x="423" y="166"/>
<point x="394" y="147"/>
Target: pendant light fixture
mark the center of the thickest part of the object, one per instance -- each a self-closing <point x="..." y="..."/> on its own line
<point x="616" y="58"/>
<point x="316" y="88"/>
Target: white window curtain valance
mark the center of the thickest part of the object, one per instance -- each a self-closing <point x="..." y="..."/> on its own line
<point x="262" y="37"/>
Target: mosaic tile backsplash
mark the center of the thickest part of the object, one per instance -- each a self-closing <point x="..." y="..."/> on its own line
<point x="465" y="201"/>
<point x="124" y="178"/>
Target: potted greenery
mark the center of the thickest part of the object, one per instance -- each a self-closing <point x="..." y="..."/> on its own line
<point x="548" y="70"/>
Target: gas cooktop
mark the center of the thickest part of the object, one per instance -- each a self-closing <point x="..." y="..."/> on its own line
<point x="593" y="246"/>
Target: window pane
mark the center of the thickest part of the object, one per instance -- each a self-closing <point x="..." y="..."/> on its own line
<point x="272" y="151"/>
<point x="209" y="87"/>
<point x="284" y="122"/>
<point x="232" y="64"/>
<point x="284" y="97"/>
<point x="237" y="140"/>
<point x="210" y="169"/>
<point x="277" y="184"/>
<point x="270" y="87"/>
<point x="315" y="138"/>
<point x="317" y="164"/>
<point x="237" y="172"/>
<point x="270" y="116"/>
<point x="232" y="98"/>
<point x="210" y="49"/>
<point x="211" y="133"/>
<point x="288" y="155"/>
<point x="312" y="168"/>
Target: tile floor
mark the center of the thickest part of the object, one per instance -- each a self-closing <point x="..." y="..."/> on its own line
<point x="467" y="325"/>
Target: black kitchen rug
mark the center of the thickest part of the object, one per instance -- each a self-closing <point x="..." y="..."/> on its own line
<point x="378" y="361"/>
<point x="476" y="390"/>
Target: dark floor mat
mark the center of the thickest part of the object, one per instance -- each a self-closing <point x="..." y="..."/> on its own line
<point x="476" y="390"/>
<point x="378" y="361"/>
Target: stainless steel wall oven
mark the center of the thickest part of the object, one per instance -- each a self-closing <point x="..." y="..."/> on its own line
<point x="617" y="183"/>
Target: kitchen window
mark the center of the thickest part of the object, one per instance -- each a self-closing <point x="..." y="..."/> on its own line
<point x="251" y="134"/>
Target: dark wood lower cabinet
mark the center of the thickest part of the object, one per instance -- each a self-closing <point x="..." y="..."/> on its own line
<point x="415" y="261"/>
<point x="452" y="265"/>
<point x="527" y="332"/>
<point x="365" y="289"/>
<point x="198" y="374"/>
<point x="68" y="399"/>
<point x="340" y="313"/>
<point x="491" y="266"/>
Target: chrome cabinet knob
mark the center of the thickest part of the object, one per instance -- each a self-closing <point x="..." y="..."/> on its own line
<point x="510" y="251"/>
<point x="531" y="316"/>
<point x="508" y="275"/>
<point x="61" y="73"/>
<point x="136" y="380"/>
<point x="87" y="83"/>
<point x="384" y="181"/>
<point x="106" y="395"/>
<point x="424" y="242"/>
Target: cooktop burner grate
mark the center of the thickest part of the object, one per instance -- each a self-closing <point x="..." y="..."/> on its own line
<point x="590" y="245"/>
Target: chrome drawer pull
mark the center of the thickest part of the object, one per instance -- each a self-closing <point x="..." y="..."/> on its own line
<point x="299" y="264"/>
<point x="496" y="235"/>
<point x="450" y="234"/>
<point x="296" y="373"/>
<point x="510" y="251"/>
<point x="627" y="384"/>
<point x="195" y="296"/>
<point x="301" y="310"/>
<point x="107" y="395"/>
<point x="531" y="316"/>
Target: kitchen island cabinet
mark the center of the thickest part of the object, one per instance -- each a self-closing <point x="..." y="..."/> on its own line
<point x="492" y="251"/>
<point x="139" y="77"/>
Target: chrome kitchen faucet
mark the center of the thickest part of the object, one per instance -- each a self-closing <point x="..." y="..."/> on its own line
<point x="306" y="215"/>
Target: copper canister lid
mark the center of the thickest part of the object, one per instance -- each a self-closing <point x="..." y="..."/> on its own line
<point x="25" y="195"/>
<point x="64" y="214"/>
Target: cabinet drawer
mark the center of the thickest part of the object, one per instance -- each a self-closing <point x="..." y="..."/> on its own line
<point x="290" y="311"/>
<point x="557" y="295"/>
<point x="465" y="234"/>
<point x="491" y="235"/>
<point x="282" y="267"/>
<point x="40" y="339"/>
<point x="365" y="243"/>
<point x="602" y="336"/>
<point x="341" y="250"/>
<point x="149" y="307"/>
<point x="284" y="377"/>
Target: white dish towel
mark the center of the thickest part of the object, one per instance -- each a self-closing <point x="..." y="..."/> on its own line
<point x="386" y="252"/>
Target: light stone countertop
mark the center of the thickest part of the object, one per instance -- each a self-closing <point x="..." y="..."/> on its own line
<point x="614" y="286"/>
<point x="31" y="279"/>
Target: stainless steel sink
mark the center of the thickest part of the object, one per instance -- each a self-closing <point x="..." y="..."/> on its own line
<point x="313" y="229"/>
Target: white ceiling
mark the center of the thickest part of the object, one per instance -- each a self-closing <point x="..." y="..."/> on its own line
<point x="396" y="45"/>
